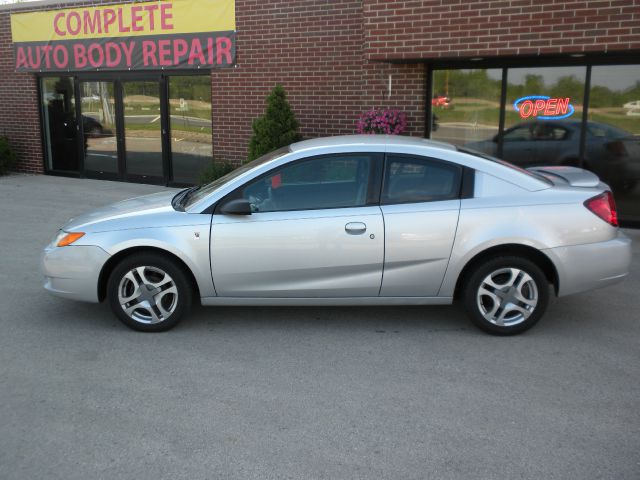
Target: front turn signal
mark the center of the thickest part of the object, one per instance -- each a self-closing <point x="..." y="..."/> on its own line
<point x="69" y="238"/>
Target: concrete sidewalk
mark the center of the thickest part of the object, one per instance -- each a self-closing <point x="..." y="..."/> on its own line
<point x="335" y="393"/>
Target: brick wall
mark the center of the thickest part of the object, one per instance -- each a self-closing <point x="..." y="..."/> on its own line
<point x="329" y="55"/>
<point x="402" y="29"/>
<point x="315" y="49"/>
<point x="19" y="117"/>
<point x="312" y="47"/>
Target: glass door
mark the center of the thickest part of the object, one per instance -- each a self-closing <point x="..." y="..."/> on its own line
<point x="59" y="124"/>
<point x="190" y="126"/>
<point x="98" y="108"/>
<point x="116" y="126"/>
<point x="143" y="132"/>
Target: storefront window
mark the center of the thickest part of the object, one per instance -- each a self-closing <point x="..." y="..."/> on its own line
<point x="142" y="128"/>
<point x="99" y="126"/>
<point x="612" y="144"/>
<point x="543" y="120"/>
<point x="465" y="107"/>
<point x="190" y="118"/>
<point x="60" y="126"/>
<point x="543" y="116"/>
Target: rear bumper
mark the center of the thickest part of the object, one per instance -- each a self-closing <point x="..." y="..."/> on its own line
<point x="590" y="266"/>
<point x="73" y="271"/>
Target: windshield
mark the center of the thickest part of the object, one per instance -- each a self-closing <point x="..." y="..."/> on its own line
<point x="503" y="162"/>
<point x="208" y="189"/>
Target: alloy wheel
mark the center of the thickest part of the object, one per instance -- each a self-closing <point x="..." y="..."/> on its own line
<point x="507" y="297"/>
<point x="147" y="295"/>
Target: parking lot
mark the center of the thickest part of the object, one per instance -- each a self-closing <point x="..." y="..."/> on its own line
<point x="270" y="393"/>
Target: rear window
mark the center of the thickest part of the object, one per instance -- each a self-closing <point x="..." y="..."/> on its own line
<point x="410" y="179"/>
<point x="484" y="156"/>
<point x="606" y="131"/>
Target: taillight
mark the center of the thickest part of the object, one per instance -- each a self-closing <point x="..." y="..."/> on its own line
<point x="617" y="148"/>
<point x="604" y="206"/>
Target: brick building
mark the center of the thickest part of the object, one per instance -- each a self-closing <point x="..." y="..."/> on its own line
<point x="466" y="66"/>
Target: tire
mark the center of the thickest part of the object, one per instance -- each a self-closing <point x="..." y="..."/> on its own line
<point x="505" y="295"/>
<point x="94" y="132"/>
<point x="165" y="296"/>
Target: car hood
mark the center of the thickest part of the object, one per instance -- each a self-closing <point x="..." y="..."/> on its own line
<point x="124" y="214"/>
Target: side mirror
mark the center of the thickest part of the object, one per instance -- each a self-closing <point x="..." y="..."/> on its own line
<point x="240" y="206"/>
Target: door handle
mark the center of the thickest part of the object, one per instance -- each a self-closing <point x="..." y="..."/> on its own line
<point x="355" y="228"/>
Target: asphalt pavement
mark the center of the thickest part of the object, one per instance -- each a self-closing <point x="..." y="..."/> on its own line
<point x="297" y="393"/>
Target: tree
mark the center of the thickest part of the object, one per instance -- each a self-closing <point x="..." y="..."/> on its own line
<point x="569" y="86"/>
<point x="533" y="84"/>
<point x="277" y="128"/>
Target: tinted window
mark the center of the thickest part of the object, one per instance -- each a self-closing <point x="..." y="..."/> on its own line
<point x="332" y="181"/>
<point x="612" y="149"/>
<point x="59" y="117"/>
<point x="606" y="131"/>
<point x="519" y="134"/>
<point x="213" y="186"/>
<point x="414" y="179"/>
<point x="557" y="133"/>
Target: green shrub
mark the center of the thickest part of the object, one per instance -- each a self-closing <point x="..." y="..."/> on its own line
<point x="8" y="157"/>
<point x="214" y="171"/>
<point x="277" y="128"/>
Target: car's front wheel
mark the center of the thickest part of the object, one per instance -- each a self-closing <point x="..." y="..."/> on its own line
<point x="505" y="295"/>
<point x="149" y="292"/>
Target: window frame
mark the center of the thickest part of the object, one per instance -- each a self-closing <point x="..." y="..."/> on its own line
<point x="465" y="176"/>
<point x="373" y="185"/>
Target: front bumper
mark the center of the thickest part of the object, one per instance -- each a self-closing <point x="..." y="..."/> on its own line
<point x="593" y="265"/>
<point x="73" y="271"/>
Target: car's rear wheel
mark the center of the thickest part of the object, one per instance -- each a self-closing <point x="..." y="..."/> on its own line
<point x="505" y="295"/>
<point x="149" y="292"/>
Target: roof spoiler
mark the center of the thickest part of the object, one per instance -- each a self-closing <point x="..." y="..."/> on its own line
<point x="576" y="177"/>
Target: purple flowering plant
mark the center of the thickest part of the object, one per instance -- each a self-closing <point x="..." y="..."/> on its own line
<point x="389" y="122"/>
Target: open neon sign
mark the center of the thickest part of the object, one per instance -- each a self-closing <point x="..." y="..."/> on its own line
<point x="543" y="107"/>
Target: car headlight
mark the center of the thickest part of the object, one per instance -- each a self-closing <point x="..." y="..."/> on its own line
<point x="62" y="239"/>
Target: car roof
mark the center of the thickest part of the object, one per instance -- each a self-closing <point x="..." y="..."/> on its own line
<point x="368" y="140"/>
<point x="380" y="143"/>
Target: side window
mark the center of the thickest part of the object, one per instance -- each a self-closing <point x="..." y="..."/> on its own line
<point x="410" y="179"/>
<point x="330" y="181"/>
<point x="545" y="131"/>
<point x="518" y="134"/>
<point x="559" y="133"/>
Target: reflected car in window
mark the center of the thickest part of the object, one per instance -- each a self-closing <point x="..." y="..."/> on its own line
<point x="354" y="220"/>
<point x="632" y="108"/>
<point x="441" y="101"/>
<point x="610" y="152"/>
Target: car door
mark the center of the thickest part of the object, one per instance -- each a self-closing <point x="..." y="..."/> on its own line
<point x="519" y="146"/>
<point x="316" y="230"/>
<point x="553" y="141"/>
<point x="420" y="203"/>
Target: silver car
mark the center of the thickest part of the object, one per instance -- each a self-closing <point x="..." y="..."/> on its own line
<point x="354" y="220"/>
